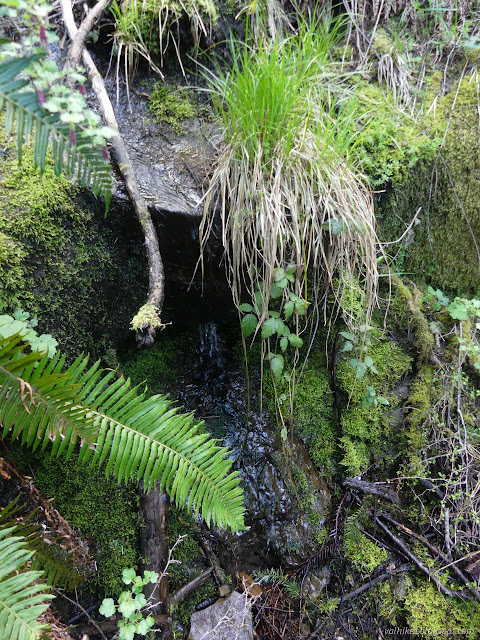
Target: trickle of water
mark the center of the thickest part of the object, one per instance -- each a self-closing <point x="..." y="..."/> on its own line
<point x="210" y="344"/>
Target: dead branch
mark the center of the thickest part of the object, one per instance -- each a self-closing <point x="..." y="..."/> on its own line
<point x="371" y="583"/>
<point x="76" y="48"/>
<point x="218" y="572"/>
<point x="146" y="336"/>
<point x="436" y="552"/>
<point x="381" y="490"/>
<point x="184" y="591"/>
<point x="407" y="551"/>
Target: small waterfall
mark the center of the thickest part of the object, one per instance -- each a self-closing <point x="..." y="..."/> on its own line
<point x="210" y="346"/>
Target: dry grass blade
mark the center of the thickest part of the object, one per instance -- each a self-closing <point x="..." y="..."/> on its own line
<point x="285" y="192"/>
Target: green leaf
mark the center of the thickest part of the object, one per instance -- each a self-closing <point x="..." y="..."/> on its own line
<point x="277" y="364"/>
<point x="361" y="370"/>
<point x="279" y="274"/>
<point x="269" y="327"/>
<point x="348" y="346"/>
<point x="259" y="301"/>
<point x="108" y="607"/>
<point x="249" y="325"/>
<point x="458" y="310"/>
<point x="283" y="344"/>
<point x="126" y="605"/>
<point x="144" y="626"/>
<point x="276" y="291"/>
<point x="295" y="340"/>
<point x="368" y="361"/>
<point x="246" y="308"/>
<point x="22" y="596"/>
<point x="140" y="601"/>
<point x="348" y="336"/>
<point x="288" y="309"/>
<point x="83" y="160"/>
<point x="382" y="400"/>
<point x="335" y="227"/>
<point x="127" y="632"/>
<point x="128" y="576"/>
<point x="136" y="437"/>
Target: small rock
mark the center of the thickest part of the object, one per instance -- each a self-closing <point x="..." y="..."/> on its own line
<point x="228" y="619"/>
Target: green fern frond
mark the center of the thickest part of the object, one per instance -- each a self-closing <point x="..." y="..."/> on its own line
<point x="22" y="598"/>
<point x="82" y="159"/>
<point x="134" y="436"/>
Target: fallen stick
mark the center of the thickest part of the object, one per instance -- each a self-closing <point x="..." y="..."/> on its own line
<point x="383" y="576"/>
<point x="437" y="552"/>
<point x="406" y="550"/>
<point x="187" y="589"/>
<point x="380" y="490"/>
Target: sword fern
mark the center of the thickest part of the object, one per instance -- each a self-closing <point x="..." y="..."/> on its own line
<point x="74" y="153"/>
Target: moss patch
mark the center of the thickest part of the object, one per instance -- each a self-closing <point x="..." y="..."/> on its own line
<point x="172" y="106"/>
<point x="443" y="251"/>
<point x="428" y="609"/>
<point x="104" y="513"/>
<point x="60" y="260"/>
<point x="367" y="433"/>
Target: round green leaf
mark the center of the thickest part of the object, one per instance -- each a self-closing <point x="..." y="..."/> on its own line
<point x="108" y="607"/>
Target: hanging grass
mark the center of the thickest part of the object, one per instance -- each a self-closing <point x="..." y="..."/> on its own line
<point x="283" y="184"/>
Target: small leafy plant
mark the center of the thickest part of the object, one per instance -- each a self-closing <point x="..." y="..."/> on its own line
<point x="363" y="363"/>
<point x="132" y="605"/>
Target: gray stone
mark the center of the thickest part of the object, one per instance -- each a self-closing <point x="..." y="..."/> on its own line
<point x="228" y="619"/>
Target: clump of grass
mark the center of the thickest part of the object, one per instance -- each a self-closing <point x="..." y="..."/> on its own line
<point x="286" y="191"/>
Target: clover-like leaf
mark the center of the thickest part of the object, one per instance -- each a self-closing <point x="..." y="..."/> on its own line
<point x="128" y="576"/>
<point x="107" y="608"/>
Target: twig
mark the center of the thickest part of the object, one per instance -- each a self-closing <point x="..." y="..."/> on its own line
<point x="404" y="547"/>
<point x="184" y="591"/>
<point x="76" y="48"/>
<point x="84" y="611"/>
<point x="380" y="490"/>
<point x="383" y="576"/>
<point x="437" y="552"/>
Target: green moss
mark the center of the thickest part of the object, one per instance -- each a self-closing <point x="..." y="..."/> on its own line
<point x="366" y="431"/>
<point x="405" y="310"/>
<point x="391" y="142"/>
<point x="420" y="400"/>
<point x="104" y="513"/>
<point x="427" y="608"/>
<point x="60" y="260"/>
<point x="313" y="415"/>
<point x="444" y="248"/>
<point x="172" y="106"/>
<point x="365" y="554"/>
<point x="159" y="365"/>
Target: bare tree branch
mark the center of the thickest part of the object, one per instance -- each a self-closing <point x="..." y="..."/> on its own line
<point x="76" y="48"/>
<point x="146" y="335"/>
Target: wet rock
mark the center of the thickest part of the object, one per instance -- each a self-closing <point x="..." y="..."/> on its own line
<point x="170" y="169"/>
<point x="228" y="619"/>
<point x="315" y="583"/>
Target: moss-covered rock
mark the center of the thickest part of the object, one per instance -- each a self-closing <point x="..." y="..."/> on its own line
<point x="367" y="430"/>
<point x="443" y="248"/>
<point x="428" y="609"/>
<point x="81" y="275"/>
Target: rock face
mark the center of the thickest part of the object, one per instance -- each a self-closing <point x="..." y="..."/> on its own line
<point x="228" y="619"/>
<point x="287" y="500"/>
